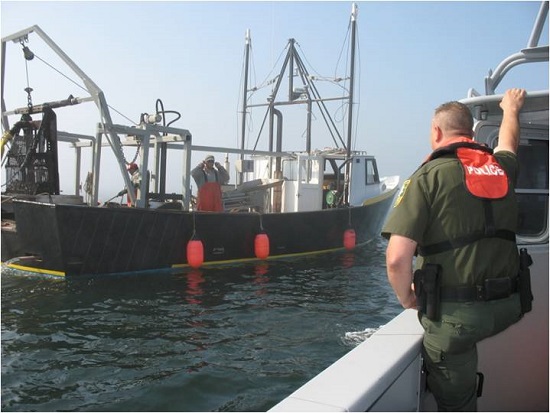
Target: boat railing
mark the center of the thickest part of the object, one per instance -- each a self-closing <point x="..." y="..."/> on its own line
<point x="529" y="55"/>
<point x="384" y="373"/>
<point x="533" y="53"/>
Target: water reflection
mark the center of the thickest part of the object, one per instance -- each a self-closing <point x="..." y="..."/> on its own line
<point x="347" y="259"/>
<point x="234" y="338"/>
<point x="260" y="277"/>
<point x="194" y="291"/>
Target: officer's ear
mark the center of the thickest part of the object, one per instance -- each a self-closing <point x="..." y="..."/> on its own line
<point x="436" y="135"/>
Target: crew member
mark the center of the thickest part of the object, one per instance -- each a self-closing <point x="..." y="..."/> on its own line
<point x="135" y="178"/>
<point x="210" y="176"/>
<point x="458" y="211"/>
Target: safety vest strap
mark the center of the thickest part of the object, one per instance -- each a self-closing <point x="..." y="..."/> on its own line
<point x="452" y="148"/>
<point x="464" y="240"/>
<point x="489" y="230"/>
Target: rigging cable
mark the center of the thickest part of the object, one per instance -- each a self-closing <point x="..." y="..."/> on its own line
<point x="335" y="80"/>
<point x="329" y="122"/>
<point x="81" y="87"/>
<point x="346" y="40"/>
<point x="77" y="85"/>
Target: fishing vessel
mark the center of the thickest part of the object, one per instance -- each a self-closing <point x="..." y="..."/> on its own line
<point x="283" y="203"/>
<point x="385" y="372"/>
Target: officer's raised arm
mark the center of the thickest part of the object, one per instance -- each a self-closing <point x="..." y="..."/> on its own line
<point x="511" y="104"/>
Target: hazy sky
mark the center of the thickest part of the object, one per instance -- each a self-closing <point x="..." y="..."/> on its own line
<point x="412" y="57"/>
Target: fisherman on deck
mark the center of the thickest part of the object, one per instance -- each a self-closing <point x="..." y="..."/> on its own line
<point x="210" y="176"/>
<point x="135" y="178"/>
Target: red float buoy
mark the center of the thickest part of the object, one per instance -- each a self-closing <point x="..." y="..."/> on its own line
<point x="195" y="253"/>
<point x="349" y="239"/>
<point x="261" y="246"/>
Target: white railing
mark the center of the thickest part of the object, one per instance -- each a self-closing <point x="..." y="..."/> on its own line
<point x="382" y="374"/>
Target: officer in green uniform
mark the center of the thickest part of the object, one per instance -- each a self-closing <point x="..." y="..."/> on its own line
<point x="468" y="237"/>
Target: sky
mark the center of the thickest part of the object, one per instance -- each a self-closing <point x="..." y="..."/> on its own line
<point x="412" y="56"/>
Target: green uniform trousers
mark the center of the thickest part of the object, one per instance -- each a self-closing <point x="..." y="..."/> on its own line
<point x="450" y="351"/>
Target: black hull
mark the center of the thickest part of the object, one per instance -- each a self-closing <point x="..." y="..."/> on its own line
<point x="76" y="240"/>
<point x="11" y="247"/>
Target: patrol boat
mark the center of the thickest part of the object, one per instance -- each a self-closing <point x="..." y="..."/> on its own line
<point x="385" y="373"/>
<point x="283" y="203"/>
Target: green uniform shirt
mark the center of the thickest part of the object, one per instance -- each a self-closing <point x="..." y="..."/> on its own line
<point x="434" y="205"/>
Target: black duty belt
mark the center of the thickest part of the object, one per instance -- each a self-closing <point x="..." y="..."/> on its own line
<point x="491" y="289"/>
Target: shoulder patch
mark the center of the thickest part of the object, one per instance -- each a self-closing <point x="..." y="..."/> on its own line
<point x="402" y="192"/>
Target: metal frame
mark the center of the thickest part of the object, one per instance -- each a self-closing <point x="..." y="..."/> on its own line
<point x="95" y="92"/>
<point x="532" y="54"/>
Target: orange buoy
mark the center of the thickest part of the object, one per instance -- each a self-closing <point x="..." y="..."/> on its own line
<point x="349" y="239"/>
<point x="195" y="253"/>
<point x="261" y="246"/>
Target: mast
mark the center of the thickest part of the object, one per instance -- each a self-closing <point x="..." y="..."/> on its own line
<point x="245" y="92"/>
<point x="352" y="76"/>
<point x="291" y="50"/>
<point x="347" y="172"/>
<point x="309" y="95"/>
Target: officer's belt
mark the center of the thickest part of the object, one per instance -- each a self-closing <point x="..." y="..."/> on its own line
<point x="492" y="289"/>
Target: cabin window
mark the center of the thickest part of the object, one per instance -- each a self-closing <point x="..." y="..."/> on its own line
<point x="532" y="184"/>
<point x="532" y="189"/>
<point x="309" y="171"/>
<point x="371" y="172"/>
<point x="533" y="161"/>
<point x="289" y="170"/>
<point x="305" y="170"/>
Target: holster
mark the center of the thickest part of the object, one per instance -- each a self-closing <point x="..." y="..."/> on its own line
<point x="427" y="288"/>
<point x="524" y="280"/>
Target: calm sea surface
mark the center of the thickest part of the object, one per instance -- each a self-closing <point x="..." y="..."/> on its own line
<point x="218" y="339"/>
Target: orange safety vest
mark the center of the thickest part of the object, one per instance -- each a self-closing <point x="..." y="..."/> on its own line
<point x="483" y="176"/>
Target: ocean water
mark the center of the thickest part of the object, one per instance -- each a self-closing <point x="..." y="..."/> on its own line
<point x="235" y="338"/>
